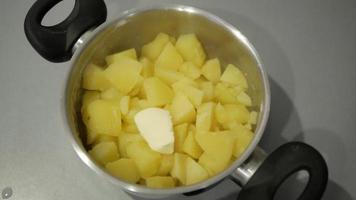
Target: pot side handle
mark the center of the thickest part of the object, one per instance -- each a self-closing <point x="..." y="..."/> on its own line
<point x="279" y="165"/>
<point x="55" y="43"/>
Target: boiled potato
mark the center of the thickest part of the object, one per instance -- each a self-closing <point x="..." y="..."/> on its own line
<point x="94" y="78"/>
<point x="104" y="117"/>
<point x="234" y="76"/>
<point x="191" y="147"/>
<point x="212" y="164"/>
<point x="130" y="128"/>
<point x="147" y="67"/>
<point x="147" y="160"/>
<point x="180" y="133"/>
<point x="191" y="49"/>
<point x="194" y="95"/>
<point x="182" y="110"/>
<point x="125" y="139"/>
<point x="244" y="99"/>
<point x="253" y="117"/>
<point x="124" y="74"/>
<point x="124" y="169"/>
<point x="104" y="152"/>
<point x="125" y="105"/>
<point x="167" y="75"/>
<point x="211" y="70"/>
<point x="169" y="58"/>
<point x="105" y="138"/>
<point x="166" y="165"/>
<point x="205" y="116"/>
<point x="179" y="167"/>
<point x="158" y="93"/>
<point x="243" y="137"/>
<point x="160" y="182"/>
<point x="129" y="53"/>
<point x="208" y="89"/>
<point x="190" y="70"/>
<point x="224" y="94"/>
<point x="88" y="97"/>
<point x="153" y="49"/>
<point x="111" y="94"/>
<point x="239" y="112"/>
<point x="195" y="173"/>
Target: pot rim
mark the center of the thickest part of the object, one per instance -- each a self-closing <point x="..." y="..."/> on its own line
<point x="135" y="188"/>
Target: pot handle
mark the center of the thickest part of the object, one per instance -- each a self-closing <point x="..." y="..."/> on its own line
<point x="55" y="43"/>
<point x="283" y="162"/>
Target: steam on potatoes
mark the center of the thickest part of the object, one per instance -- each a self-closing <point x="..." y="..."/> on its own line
<point x="209" y="108"/>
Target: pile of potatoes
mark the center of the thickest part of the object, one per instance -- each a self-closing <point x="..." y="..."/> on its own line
<point x="209" y="108"/>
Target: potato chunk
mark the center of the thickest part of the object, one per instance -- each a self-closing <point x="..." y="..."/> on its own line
<point x="124" y="169"/>
<point x="182" y="110"/>
<point x="180" y="133"/>
<point x="234" y="76"/>
<point x="104" y="117"/>
<point x="195" y="173"/>
<point x="190" y="70"/>
<point x="124" y="74"/>
<point x="169" y="58"/>
<point x="158" y="93"/>
<point x="125" y="139"/>
<point x="189" y="46"/>
<point x="153" y="49"/>
<point x="205" y="116"/>
<point x="129" y="53"/>
<point x="166" y="165"/>
<point x="191" y="147"/>
<point x="160" y="182"/>
<point x="94" y="78"/>
<point x="179" y="167"/>
<point x="147" y="67"/>
<point x="147" y="160"/>
<point x="104" y="152"/>
<point x="211" y="70"/>
<point x="167" y="75"/>
<point x="194" y="95"/>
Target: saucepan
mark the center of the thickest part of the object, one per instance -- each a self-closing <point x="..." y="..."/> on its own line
<point x="84" y="37"/>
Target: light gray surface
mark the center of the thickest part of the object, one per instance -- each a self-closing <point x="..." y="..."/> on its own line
<point x="308" y="48"/>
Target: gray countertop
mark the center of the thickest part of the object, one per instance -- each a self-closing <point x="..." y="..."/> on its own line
<point x="308" y="48"/>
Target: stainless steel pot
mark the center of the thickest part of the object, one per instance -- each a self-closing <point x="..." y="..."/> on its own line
<point x="260" y="176"/>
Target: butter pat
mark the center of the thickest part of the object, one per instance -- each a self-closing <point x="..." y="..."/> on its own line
<point x="155" y="126"/>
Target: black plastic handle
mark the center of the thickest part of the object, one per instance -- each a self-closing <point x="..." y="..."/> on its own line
<point x="283" y="162"/>
<point x="55" y="43"/>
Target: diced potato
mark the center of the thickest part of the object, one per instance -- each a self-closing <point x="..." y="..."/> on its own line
<point x="191" y="49"/>
<point x="243" y="137"/>
<point x="222" y="116"/>
<point x="130" y="128"/>
<point x="194" y="95"/>
<point x="172" y="40"/>
<point x="169" y="58"/>
<point x="125" y="139"/>
<point x="147" y="67"/>
<point x="208" y="89"/>
<point x="234" y="76"/>
<point x="248" y="126"/>
<point x="105" y="138"/>
<point x="129" y="53"/>
<point x="147" y="160"/>
<point x="124" y="74"/>
<point x="111" y="94"/>
<point x="167" y="75"/>
<point x="190" y="70"/>
<point x="211" y="70"/>
<point x="195" y="173"/>
<point x="94" y="78"/>
<point x="212" y="164"/>
<point x="144" y="104"/>
<point x="224" y="94"/>
<point x="104" y="117"/>
<point x="180" y="133"/>
<point x="166" y="165"/>
<point x="218" y="148"/>
<point x="205" y="116"/>
<point x="179" y="167"/>
<point x="158" y="93"/>
<point x="253" y="117"/>
<point x="129" y="118"/>
<point x="153" y="49"/>
<point x="91" y="137"/>
<point x="244" y="99"/>
<point x="124" y="169"/>
<point x="134" y="104"/>
<point x="191" y="147"/>
<point x="104" y="152"/>
<point x="238" y="112"/>
<point x="88" y="97"/>
<point x="160" y="182"/>
<point x="182" y="109"/>
<point x="138" y="87"/>
<point x="125" y="104"/>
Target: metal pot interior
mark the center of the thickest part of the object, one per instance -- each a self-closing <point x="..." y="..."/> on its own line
<point x="136" y="28"/>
